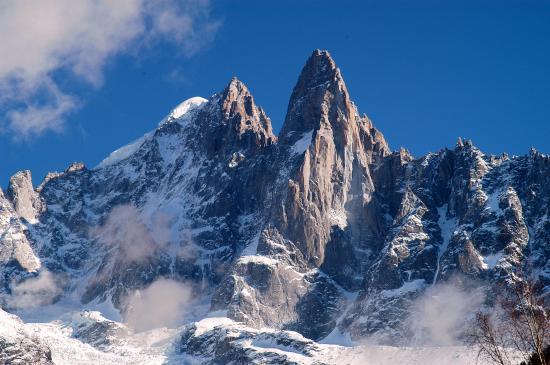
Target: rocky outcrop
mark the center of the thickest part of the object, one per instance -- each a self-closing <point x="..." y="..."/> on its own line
<point x="222" y="342"/>
<point x="318" y="203"/>
<point x="232" y="125"/>
<point x="26" y="201"/>
<point x="16" y="252"/>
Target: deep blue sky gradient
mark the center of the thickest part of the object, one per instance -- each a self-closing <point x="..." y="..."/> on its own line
<point x="425" y="72"/>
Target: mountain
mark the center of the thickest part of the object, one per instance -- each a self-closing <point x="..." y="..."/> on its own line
<point x="272" y="246"/>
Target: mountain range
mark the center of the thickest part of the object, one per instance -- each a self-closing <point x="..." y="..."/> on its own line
<point x="263" y="248"/>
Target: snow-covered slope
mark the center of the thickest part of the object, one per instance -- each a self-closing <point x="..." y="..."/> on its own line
<point x="85" y="338"/>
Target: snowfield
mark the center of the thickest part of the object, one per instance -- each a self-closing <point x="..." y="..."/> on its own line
<point x="159" y="346"/>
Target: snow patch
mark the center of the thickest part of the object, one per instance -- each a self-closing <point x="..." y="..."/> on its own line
<point x="301" y="145"/>
<point x="124" y="152"/>
<point x="490" y="261"/>
<point x="408" y="287"/>
<point x="338" y="218"/>
<point x="176" y="114"/>
<point x="258" y="259"/>
<point x="447" y="230"/>
<point x="493" y="200"/>
<point x="186" y="106"/>
<point x="10" y="325"/>
<point x="209" y="323"/>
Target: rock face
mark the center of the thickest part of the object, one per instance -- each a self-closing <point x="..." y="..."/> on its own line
<point x="16" y="253"/>
<point x="25" y="199"/>
<point x="323" y="229"/>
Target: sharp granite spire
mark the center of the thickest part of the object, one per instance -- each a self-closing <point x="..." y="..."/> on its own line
<point x="320" y="89"/>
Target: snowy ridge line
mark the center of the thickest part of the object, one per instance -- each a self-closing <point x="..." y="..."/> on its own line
<point x="177" y="113"/>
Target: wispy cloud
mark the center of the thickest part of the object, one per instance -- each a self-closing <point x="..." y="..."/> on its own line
<point x="40" y="39"/>
<point x="35" y="291"/>
<point x="134" y="240"/>
<point x="441" y="314"/>
<point x="135" y="237"/>
<point x="162" y="304"/>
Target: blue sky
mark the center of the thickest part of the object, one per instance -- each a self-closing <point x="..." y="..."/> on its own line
<point x="424" y="73"/>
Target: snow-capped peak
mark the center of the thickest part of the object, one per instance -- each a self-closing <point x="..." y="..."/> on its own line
<point x="177" y="113"/>
<point x="186" y="106"/>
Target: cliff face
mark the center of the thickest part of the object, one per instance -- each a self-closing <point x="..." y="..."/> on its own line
<point x="321" y="229"/>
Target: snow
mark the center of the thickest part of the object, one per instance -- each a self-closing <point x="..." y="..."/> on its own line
<point x="336" y="337"/>
<point x="259" y="259"/>
<point x="10" y="325"/>
<point x="157" y="346"/>
<point x="147" y="349"/>
<point x="490" y="261"/>
<point x="492" y="201"/>
<point x="338" y="218"/>
<point x="186" y="106"/>
<point x="447" y="230"/>
<point x="210" y="323"/>
<point x="377" y="355"/>
<point x="407" y="287"/>
<point x="301" y="145"/>
<point x="178" y="113"/>
<point x="252" y="247"/>
<point x="426" y="160"/>
<point x="124" y="152"/>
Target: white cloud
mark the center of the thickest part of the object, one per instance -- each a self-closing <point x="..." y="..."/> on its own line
<point x="41" y="38"/>
<point x="440" y="315"/>
<point x="34" y="292"/>
<point x="133" y="238"/>
<point x="162" y="304"/>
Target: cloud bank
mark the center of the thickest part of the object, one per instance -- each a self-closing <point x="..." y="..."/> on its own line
<point x="41" y="39"/>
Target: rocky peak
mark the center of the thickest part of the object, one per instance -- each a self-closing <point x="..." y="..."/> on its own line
<point x="238" y="105"/>
<point x="372" y="139"/>
<point x="76" y="166"/>
<point x="234" y="123"/>
<point x="319" y="91"/>
<point x="404" y="155"/>
<point x="320" y="100"/>
<point x="330" y="147"/>
<point x="320" y="70"/>
<point x="14" y="245"/>
<point x="23" y="197"/>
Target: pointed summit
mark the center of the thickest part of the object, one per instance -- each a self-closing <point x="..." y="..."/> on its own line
<point x="235" y="87"/>
<point x="320" y="87"/>
<point x="320" y="68"/>
<point x="23" y="197"/>
<point x="320" y="100"/>
<point x="238" y="124"/>
<point x="237" y="103"/>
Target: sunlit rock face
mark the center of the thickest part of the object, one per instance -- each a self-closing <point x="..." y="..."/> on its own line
<point x="322" y="229"/>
